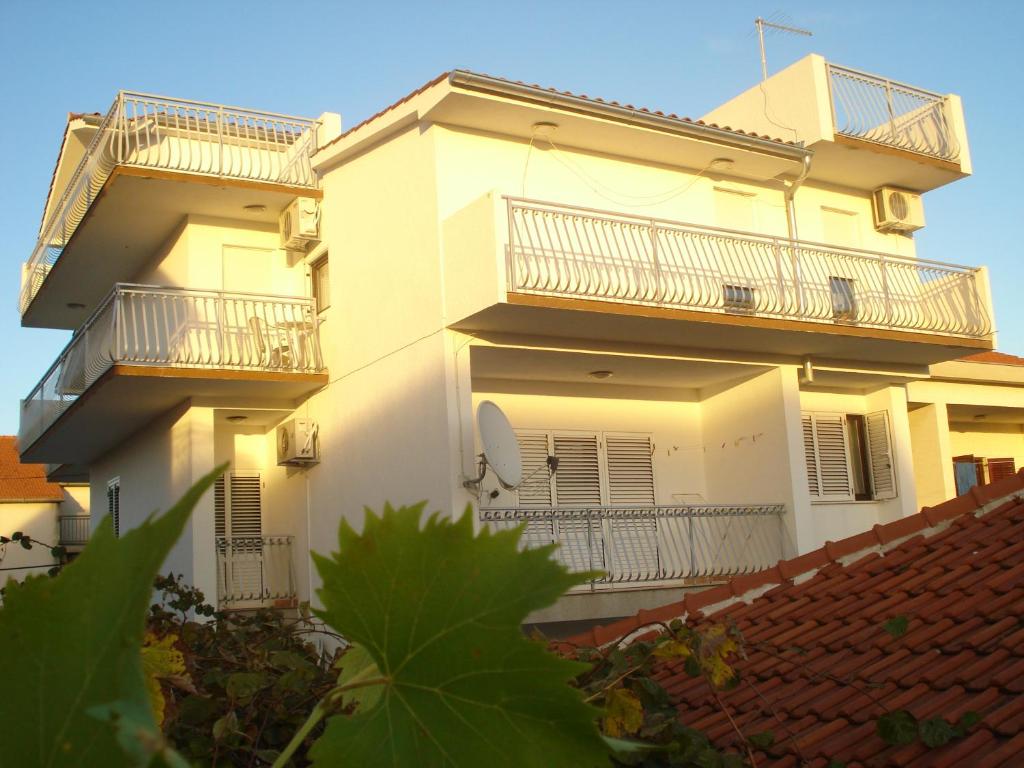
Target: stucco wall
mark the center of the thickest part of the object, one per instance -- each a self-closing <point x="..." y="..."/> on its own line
<point x="35" y="519"/>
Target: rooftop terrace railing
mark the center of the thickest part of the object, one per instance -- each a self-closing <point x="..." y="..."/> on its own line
<point x="652" y="543"/>
<point x="875" y="109"/>
<point x="174" y="135"/>
<point x="180" y="328"/>
<point x="574" y="252"/>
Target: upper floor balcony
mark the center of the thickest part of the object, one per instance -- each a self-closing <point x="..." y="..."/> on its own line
<point x="752" y="292"/>
<point x="126" y="194"/>
<point x="866" y="130"/>
<point x="146" y="349"/>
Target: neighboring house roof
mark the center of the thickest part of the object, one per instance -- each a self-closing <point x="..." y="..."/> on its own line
<point x="23" y="482"/>
<point x="543" y="89"/>
<point x="820" y="658"/>
<point x="999" y="358"/>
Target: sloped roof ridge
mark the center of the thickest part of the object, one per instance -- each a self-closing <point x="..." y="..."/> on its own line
<point x="979" y="500"/>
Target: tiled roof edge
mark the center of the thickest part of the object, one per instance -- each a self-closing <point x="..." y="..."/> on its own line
<point x="979" y="500"/>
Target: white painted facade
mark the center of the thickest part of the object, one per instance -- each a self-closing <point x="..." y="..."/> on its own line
<point x="425" y="322"/>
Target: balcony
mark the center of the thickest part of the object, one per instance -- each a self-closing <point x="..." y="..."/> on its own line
<point x="875" y="109"/>
<point x="255" y="572"/>
<point x="750" y="292"/>
<point x="149" y="146"/>
<point x="146" y="349"/>
<point x="641" y="546"/>
<point x="867" y="131"/>
<point x="74" y="530"/>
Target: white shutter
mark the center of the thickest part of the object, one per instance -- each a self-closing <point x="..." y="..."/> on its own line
<point x="245" y="517"/>
<point x="630" y="469"/>
<point x="578" y="477"/>
<point x="883" y="477"/>
<point x="811" y="455"/>
<point x="219" y="527"/>
<point x="535" y="490"/>
<point x="114" y="503"/>
<point x="833" y="457"/>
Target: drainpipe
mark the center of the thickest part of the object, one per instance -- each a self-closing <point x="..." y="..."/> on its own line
<point x="791" y="192"/>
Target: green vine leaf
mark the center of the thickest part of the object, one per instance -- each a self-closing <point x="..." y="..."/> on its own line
<point x="439" y="612"/>
<point x="896" y="626"/>
<point x="762" y="740"/>
<point x="74" y="642"/>
<point x="897" y="728"/>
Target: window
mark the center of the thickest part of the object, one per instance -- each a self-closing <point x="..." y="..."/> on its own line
<point x="237" y="505"/>
<point x="738" y="297"/>
<point x="971" y="470"/>
<point x="322" y="284"/>
<point x="114" y="503"/>
<point x="844" y="305"/>
<point x="848" y="456"/>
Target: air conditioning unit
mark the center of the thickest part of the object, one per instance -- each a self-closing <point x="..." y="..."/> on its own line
<point x="897" y="210"/>
<point x="300" y="224"/>
<point x="297" y="442"/>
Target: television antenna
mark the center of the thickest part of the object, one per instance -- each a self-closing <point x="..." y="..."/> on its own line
<point x="763" y="24"/>
<point x="500" y="448"/>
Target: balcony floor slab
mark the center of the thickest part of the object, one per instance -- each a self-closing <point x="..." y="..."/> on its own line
<point x="127" y="397"/>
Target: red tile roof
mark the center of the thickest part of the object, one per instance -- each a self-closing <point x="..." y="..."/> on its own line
<point x="23" y="482"/>
<point x="999" y="358"/>
<point x="820" y="659"/>
<point x="584" y="97"/>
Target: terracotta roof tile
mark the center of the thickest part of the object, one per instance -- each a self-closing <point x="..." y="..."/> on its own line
<point x="820" y="666"/>
<point x="23" y="482"/>
<point x="999" y="358"/>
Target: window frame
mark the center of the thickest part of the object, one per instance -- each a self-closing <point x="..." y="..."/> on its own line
<point x="321" y="264"/>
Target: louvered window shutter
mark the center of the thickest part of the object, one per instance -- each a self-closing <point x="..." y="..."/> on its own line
<point x="114" y="503"/>
<point x="219" y="528"/>
<point x="245" y="506"/>
<point x="832" y="458"/>
<point x="535" y="490"/>
<point x="883" y="475"/>
<point x="578" y="484"/>
<point x="811" y="455"/>
<point x="1000" y="468"/>
<point x="630" y="470"/>
<point x="578" y="478"/>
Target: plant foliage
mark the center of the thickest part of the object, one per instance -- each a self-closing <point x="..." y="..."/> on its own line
<point x="71" y="646"/>
<point x="437" y="613"/>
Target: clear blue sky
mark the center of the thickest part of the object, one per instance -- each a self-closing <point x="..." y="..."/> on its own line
<point x="308" y="57"/>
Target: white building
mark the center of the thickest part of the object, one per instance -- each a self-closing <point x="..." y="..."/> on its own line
<point x="50" y="514"/>
<point x="724" y="338"/>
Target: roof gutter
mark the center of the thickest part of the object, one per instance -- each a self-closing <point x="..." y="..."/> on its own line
<point x="472" y="81"/>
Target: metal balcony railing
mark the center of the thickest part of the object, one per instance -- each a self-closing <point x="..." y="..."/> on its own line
<point x="254" y="571"/>
<point x="574" y="252"/>
<point x="175" y="327"/>
<point x="74" y="530"/>
<point x="174" y="135"/>
<point x="876" y="109"/>
<point x="655" y="543"/>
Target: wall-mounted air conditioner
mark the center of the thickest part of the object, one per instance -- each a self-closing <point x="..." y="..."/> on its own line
<point x="897" y="210"/>
<point x="300" y="224"/>
<point x="297" y="442"/>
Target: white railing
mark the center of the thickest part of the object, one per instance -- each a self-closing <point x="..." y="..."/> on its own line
<point x="656" y="543"/>
<point x="74" y="529"/>
<point x="575" y="252"/>
<point x="876" y="109"/>
<point x="174" y="135"/>
<point x="254" y="571"/>
<point x="180" y="328"/>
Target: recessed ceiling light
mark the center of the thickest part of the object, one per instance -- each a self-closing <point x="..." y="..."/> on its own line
<point x="980" y="416"/>
<point x="722" y="163"/>
<point x="75" y="305"/>
<point x="237" y="418"/>
<point x="544" y="128"/>
<point x="254" y="208"/>
<point x="601" y="374"/>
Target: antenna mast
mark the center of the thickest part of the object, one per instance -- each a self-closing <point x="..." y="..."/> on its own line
<point x="761" y="24"/>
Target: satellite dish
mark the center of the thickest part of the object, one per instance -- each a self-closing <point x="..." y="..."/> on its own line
<point x="501" y="448"/>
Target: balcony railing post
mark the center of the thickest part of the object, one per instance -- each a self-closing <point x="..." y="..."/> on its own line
<point x="886" y="297"/>
<point x="693" y="550"/>
<point x="657" y="266"/>
<point x="513" y="283"/>
<point x="220" y="140"/>
<point x="892" y="112"/>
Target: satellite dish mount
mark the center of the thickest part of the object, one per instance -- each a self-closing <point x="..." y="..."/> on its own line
<point x="500" y="449"/>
